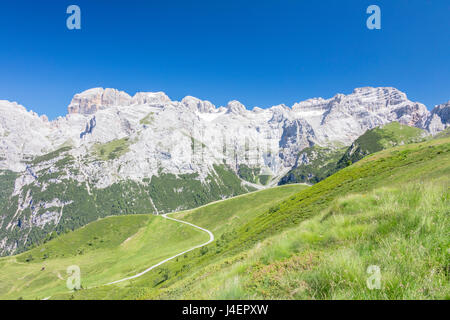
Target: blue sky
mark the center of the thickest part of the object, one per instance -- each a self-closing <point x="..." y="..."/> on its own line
<point x="261" y="53"/>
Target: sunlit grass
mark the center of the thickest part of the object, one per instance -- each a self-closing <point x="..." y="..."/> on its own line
<point x="403" y="230"/>
<point x="117" y="247"/>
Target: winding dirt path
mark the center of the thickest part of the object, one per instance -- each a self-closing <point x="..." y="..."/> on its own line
<point x="211" y="239"/>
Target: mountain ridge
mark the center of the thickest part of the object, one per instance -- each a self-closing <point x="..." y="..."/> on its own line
<point x="313" y="121"/>
<point x="161" y="156"/>
<point x="107" y="97"/>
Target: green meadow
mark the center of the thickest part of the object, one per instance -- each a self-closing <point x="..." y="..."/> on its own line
<point x="403" y="230"/>
<point x="106" y="250"/>
<point x="117" y="247"/>
<point x="389" y="210"/>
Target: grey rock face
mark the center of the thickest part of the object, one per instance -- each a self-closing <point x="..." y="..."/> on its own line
<point x="97" y="99"/>
<point x="439" y="118"/>
<point x="192" y="135"/>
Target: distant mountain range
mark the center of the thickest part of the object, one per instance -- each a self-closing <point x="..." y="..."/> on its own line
<point x="116" y="154"/>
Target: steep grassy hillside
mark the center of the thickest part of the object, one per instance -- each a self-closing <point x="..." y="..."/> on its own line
<point x="317" y="163"/>
<point x="216" y="270"/>
<point x="314" y="164"/>
<point x="377" y="139"/>
<point x="112" y="150"/>
<point x="404" y="231"/>
<point x="253" y="174"/>
<point x="107" y="250"/>
<point x="118" y="247"/>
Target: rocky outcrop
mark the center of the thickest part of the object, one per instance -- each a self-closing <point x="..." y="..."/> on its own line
<point x="169" y="134"/>
<point x="196" y="104"/>
<point x="93" y="100"/>
<point x="439" y="119"/>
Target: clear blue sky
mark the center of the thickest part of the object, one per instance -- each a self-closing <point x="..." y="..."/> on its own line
<point x="261" y="53"/>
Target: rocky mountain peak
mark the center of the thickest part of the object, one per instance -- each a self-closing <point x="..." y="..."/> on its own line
<point x="196" y="104"/>
<point x="92" y="100"/>
<point x="313" y="103"/>
<point x="150" y="98"/>
<point x="283" y="131"/>
<point x="236" y="107"/>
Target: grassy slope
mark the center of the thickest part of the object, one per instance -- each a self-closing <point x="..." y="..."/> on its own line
<point x="390" y="135"/>
<point x="100" y="249"/>
<point x="229" y="257"/>
<point x="377" y="139"/>
<point x="322" y="163"/>
<point x="227" y="215"/>
<point x="112" y="150"/>
<point x="148" y="119"/>
<point x="104" y="254"/>
<point x="253" y="174"/>
<point x="403" y="229"/>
